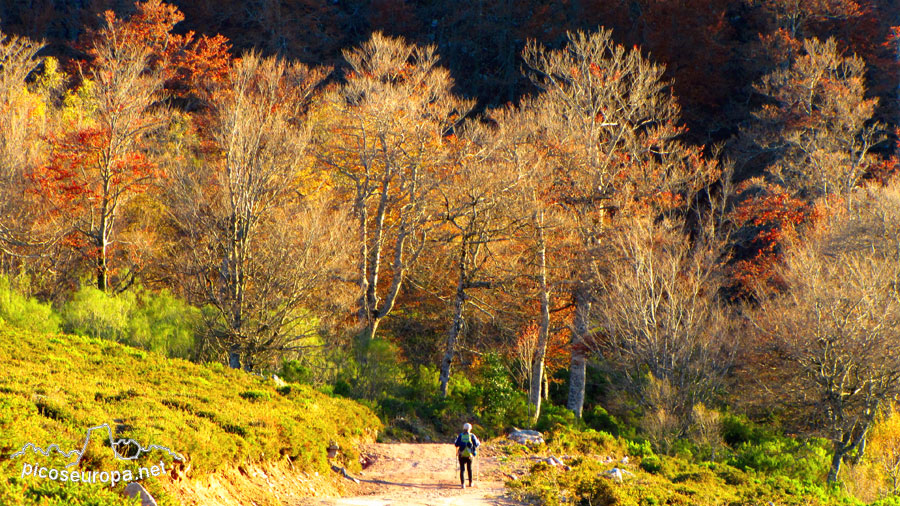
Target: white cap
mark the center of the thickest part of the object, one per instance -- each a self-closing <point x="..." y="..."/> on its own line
<point x="467" y="426"/>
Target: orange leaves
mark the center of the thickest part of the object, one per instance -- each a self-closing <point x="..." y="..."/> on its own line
<point x="771" y="217"/>
<point x="182" y="60"/>
<point x="80" y="173"/>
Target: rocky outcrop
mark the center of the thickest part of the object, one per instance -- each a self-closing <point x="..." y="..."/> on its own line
<point x="526" y="437"/>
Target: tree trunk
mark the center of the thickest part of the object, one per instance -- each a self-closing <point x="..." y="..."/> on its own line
<point x="839" y="451"/>
<point x="861" y="448"/>
<point x="578" y="364"/>
<point x="537" y="366"/>
<point x="452" y="337"/>
<point x="234" y="357"/>
<point x="102" y="270"/>
<point x="368" y="333"/>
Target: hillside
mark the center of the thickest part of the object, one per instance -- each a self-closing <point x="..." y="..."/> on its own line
<point x="55" y="387"/>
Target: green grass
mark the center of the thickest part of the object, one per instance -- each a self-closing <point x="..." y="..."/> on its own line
<point x="54" y="387"/>
<point x="659" y="479"/>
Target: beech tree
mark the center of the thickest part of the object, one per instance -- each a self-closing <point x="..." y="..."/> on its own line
<point x="98" y="163"/>
<point x="818" y="130"/>
<point x="662" y="327"/>
<point x="264" y="249"/>
<point x="19" y="129"/>
<point x="828" y="345"/>
<point x="477" y="206"/>
<point x="610" y="125"/>
<point x="383" y="138"/>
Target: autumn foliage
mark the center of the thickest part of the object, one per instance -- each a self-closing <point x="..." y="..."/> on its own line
<point x="633" y="206"/>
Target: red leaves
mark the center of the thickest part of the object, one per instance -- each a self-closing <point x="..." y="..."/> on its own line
<point x="771" y="217"/>
<point x="184" y="60"/>
<point x="78" y="174"/>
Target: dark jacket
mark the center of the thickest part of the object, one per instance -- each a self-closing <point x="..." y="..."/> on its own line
<point x="473" y="445"/>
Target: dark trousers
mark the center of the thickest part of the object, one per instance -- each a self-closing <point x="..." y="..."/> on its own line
<point x="465" y="462"/>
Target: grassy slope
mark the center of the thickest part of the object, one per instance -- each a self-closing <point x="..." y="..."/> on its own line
<point x="672" y="481"/>
<point x="52" y="388"/>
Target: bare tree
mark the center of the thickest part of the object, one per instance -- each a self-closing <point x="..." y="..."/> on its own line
<point x="99" y="162"/>
<point x="383" y="136"/>
<point x="264" y="249"/>
<point x="478" y="200"/>
<point x="18" y="59"/>
<point x="609" y="122"/>
<point x="829" y="344"/>
<point x="818" y="131"/>
<point x="661" y="324"/>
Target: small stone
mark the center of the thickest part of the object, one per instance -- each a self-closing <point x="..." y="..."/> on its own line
<point x="526" y="437"/>
<point x="135" y="489"/>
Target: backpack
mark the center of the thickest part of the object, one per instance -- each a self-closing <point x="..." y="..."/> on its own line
<point x="466" y="439"/>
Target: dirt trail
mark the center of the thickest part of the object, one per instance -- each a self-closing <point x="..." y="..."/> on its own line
<point x="420" y="474"/>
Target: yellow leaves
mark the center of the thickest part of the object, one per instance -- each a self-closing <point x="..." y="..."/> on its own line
<point x="78" y="105"/>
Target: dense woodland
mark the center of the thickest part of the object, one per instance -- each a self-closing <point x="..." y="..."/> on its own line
<point x="652" y="213"/>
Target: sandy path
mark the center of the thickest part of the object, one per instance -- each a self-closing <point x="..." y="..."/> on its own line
<point x="420" y="474"/>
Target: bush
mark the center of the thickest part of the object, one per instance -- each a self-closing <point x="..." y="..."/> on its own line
<point x="804" y="460"/>
<point x="293" y="371"/>
<point x="554" y="416"/>
<point x="92" y="312"/>
<point x="164" y="324"/>
<point x="640" y="449"/>
<point x="503" y="405"/>
<point x="652" y="464"/>
<point x="26" y="313"/>
<point x="157" y="322"/>
<point x="737" y="430"/>
<point x="568" y="440"/>
<point x="599" y="419"/>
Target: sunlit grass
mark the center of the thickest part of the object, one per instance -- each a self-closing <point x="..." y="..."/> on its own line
<point x="54" y="387"/>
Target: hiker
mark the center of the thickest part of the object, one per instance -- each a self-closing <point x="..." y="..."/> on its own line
<point x="466" y="449"/>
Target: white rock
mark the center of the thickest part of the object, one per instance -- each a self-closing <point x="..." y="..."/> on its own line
<point x="617" y="474"/>
<point x="526" y="437"/>
<point x="135" y="489"/>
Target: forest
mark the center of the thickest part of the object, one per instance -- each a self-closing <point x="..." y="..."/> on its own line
<point x="675" y="221"/>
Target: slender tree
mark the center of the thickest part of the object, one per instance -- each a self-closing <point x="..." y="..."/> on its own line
<point x="383" y="138"/>
<point x="263" y="248"/>
<point x="609" y="123"/>
<point x="478" y="206"/>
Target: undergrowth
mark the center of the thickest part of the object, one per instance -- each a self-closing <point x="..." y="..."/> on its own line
<point x="54" y="387"/>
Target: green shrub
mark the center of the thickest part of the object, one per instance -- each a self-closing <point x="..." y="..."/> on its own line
<point x="293" y="371"/>
<point x="805" y="460"/>
<point x="737" y="430"/>
<point x="640" y="448"/>
<point x="157" y="322"/>
<point x="255" y="395"/>
<point x="92" y="312"/>
<point x="503" y="405"/>
<point x="652" y="464"/>
<point x="26" y="313"/>
<point x="599" y="419"/>
<point x="162" y="323"/>
<point x="569" y="440"/>
<point x="554" y="416"/>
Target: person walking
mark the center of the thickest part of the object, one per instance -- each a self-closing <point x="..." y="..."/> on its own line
<point x="466" y="450"/>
